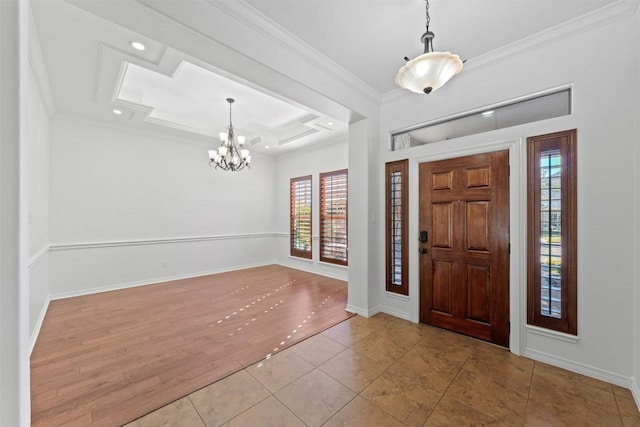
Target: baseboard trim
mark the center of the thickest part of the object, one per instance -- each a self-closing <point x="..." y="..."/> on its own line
<point x="310" y="269"/>
<point x="396" y="313"/>
<point x="36" y="329"/>
<point x="590" y="371"/>
<point x="115" y="287"/>
<point x="357" y="310"/>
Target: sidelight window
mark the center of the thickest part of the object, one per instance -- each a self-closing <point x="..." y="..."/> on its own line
<point x="396" y="217"/>
<point x="552" y="233"/>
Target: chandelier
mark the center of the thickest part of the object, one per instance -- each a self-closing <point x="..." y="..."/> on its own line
<point x="231" y="154"/>
<point x="431" y="70"/>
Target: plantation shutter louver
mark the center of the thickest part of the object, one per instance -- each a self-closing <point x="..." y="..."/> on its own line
<point x="300" y="217"/>
<point x="333" y="217"/>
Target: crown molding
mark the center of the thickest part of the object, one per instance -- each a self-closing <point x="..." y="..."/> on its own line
<point x="566" y="30"/>
<point x="259" y="22"/>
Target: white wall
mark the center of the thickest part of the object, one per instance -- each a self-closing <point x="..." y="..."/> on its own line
<point x="37" y="145"/>
<point x="129" y="208"/>
<point x="309" y="162"/>
<point x="603" y="113"/>
<point x="636" y="304"/>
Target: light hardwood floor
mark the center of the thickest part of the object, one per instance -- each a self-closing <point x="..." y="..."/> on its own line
<point x="109" y="358"/>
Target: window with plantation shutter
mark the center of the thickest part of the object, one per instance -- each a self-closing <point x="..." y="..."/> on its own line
<point x="300" y="217"/>
<point x="552" y="232"/>
<point x="333" y="217"/>
<point x="397" y="221"/>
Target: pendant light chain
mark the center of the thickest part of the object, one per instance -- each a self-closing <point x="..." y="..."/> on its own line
<point x="427" y="12"/>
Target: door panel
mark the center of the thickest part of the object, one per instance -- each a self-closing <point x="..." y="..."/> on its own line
<point x="464" y="266"/>
<point x="442" y="285"/>
<point x="443" y="215"/>
<point x="479" y="293"/>
<point x="477" y="226"/>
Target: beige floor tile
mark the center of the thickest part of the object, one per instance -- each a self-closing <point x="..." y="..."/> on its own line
<point x="505" y="368"/>
<point x="549" y="404"/>
<point x="315" y="397"/>
<point x="451" y="412"/>
<point x="176" y="414"/>
<point x="485" y="395"/>
<point x="360" y="412"/>
<point x="406" y="398"/>
<point x="411" y="332"/>
<point x="228" y="397"/>
<point x="353" y="369"/>
<point x="571" y="382"/>
<point x="268" y="413"/>
<point x="279" y="370"/>
<point x="453" y="347"/>
<point x="435" y="370"/>
<point x="317" y="349"/>
<point x="628" y="411"/>
<point x="352" y="330"/>
<point x="375" y="322"/>
<point x="382" y="347"/>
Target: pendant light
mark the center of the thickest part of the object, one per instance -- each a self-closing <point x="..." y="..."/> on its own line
<point x="431" y="70"/>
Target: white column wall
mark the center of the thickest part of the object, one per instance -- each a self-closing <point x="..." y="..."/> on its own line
<point x="14" y="293"/>
<point x="129" y="208"/>
<point x="636" y="262"/>
<point x="603" y="113"/>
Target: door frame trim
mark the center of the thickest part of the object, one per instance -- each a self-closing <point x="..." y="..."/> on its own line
<point x="517" y="227"/>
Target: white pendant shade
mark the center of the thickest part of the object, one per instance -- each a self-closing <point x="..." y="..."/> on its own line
<point x="428" y="72"/>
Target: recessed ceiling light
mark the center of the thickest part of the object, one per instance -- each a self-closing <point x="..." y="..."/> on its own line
<point x="116" y="111"/>
<point x="138" y="46"/>
<point x="330" y="123"/>
<point x="266" y="146"/>
<point x="487" y="113"/>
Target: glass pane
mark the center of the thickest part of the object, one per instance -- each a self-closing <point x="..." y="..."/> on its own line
<point x="511" y="114"/>
<point x="550" y="240"/>
<point x="301" y="206"/>
<point x="396" y="228"/>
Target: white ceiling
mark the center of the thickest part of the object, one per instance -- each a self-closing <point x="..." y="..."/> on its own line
<point x="93" y="69"/>
<point x="370" y="38"/>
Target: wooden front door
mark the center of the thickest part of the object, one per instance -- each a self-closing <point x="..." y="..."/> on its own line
<point x="464" y="261"/>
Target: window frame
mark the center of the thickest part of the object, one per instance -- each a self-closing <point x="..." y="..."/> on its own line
<point x="293" y="251"/>
<point x="401" y="167"/>
<point x="565" y="143"/>
<point x="323" y="217"/>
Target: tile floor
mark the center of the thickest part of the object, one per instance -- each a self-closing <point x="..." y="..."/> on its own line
<point x="384" y="371"/>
